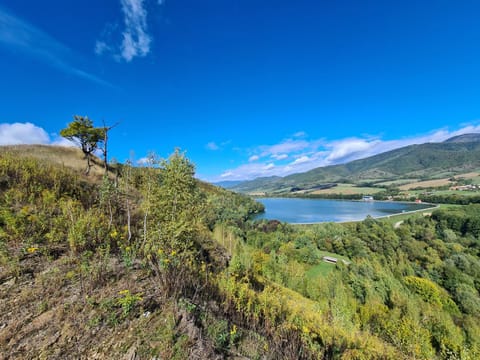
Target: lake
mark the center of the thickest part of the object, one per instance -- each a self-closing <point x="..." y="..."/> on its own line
<point x="301" y="211"/>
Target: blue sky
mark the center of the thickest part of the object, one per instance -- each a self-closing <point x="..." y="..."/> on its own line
<point x="248" y="88"/>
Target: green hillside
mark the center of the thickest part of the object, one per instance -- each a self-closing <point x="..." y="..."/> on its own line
<point x="425" y="161"/>
<point x="149" y="263"/>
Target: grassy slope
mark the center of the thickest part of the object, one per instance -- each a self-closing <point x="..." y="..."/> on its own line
<point x="103" y="303"/>
<point x="69" y="157"/>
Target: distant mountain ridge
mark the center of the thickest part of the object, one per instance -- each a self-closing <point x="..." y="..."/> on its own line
<point x="464" y="138"/>
<point x="430" y="160"/>
<point x="227" y="184"/>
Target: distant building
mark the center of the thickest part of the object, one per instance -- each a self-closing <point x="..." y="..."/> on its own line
<point x="465" y="188"/>
<point x="367" y="198"/>
<point x="330" y="259"/>
<point x="333" y="260"/>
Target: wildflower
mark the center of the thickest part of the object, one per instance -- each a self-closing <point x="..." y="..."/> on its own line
<point x="32" y="249"/>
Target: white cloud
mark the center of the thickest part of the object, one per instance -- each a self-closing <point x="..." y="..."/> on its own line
<point x="348" y="148"/>
<point x="136" y="40"/>
<point x="212" y="146"/>
<point x="249" y="171"/>
<point x="60" y="141"/>
<point x="28" y="133"/>
<point x="101" y="47"/>
<point x="143" y="161"/>
<point x="21" y="36"/>
<point x="279" y="156"/>
<point x="253" y="158"/>
<point x="301" y="160"/>
<point x="285" y="146"/>
<point x="18" y="133"/>
<point x="316" y="153"/>
<point x="130" y="40"/>
<point x="227" y="174"/>
<point x="300" y="134"/>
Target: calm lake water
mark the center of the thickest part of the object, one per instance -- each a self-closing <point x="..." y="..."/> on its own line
<point x="299" y="211"/>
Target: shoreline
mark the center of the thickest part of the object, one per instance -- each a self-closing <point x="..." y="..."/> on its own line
<point x="428" y="207"/>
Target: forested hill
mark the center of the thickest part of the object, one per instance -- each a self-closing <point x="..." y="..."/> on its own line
<point x="456" y="155"/>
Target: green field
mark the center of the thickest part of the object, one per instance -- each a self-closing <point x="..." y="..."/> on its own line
<point x="445" y="192"/>
<point x="393" y="219"/>
<point x="323" y="268"/>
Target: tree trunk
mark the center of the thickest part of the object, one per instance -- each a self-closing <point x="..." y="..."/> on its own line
<point x="105" y="143"/>
<point x="87" y="170"/>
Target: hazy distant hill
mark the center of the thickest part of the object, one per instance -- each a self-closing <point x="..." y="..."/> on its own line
<point x="425" y="161"/>
<point x="464" y="138"/>
<point x="227" y="184"/>
<point x="258" y="183"/>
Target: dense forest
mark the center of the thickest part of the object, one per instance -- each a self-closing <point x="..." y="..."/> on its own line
<point x="148" y="262"/>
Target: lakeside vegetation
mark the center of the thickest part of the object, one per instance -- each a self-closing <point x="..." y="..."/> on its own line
<point x="151" y="262"/>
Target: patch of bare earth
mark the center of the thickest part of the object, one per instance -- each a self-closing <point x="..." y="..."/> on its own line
<point x="53" y="310"/>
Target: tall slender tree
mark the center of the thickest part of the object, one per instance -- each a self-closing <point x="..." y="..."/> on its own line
<point x="104" y="148"/>
<point x="174" y="223"/>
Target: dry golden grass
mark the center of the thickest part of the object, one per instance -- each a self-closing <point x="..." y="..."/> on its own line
<point x="346" y="189"/>
<point x="470" y="175"/>
<point x="436" y="182"/>
<point x="70" y="157"/>
<point x="426" y="184"/>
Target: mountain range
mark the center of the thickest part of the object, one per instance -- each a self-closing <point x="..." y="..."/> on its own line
<point x="451" y="157"/>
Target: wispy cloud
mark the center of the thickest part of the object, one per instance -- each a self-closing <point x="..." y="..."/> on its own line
<point x="279" y="156"/>
<point x="300" y="134"/>
<point x="135" y="39"/>
<point x="28" y="133"/>
<point x="101" y="47"/>
<point x="302" y="159"/>
<point x="19" y="35"/>
<point x="294" y="155"/>
<point x="284" y="147"/>
<point x="212" y="146"/>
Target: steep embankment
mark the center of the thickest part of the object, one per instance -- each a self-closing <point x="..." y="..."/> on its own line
<point x="81" y="278"/>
